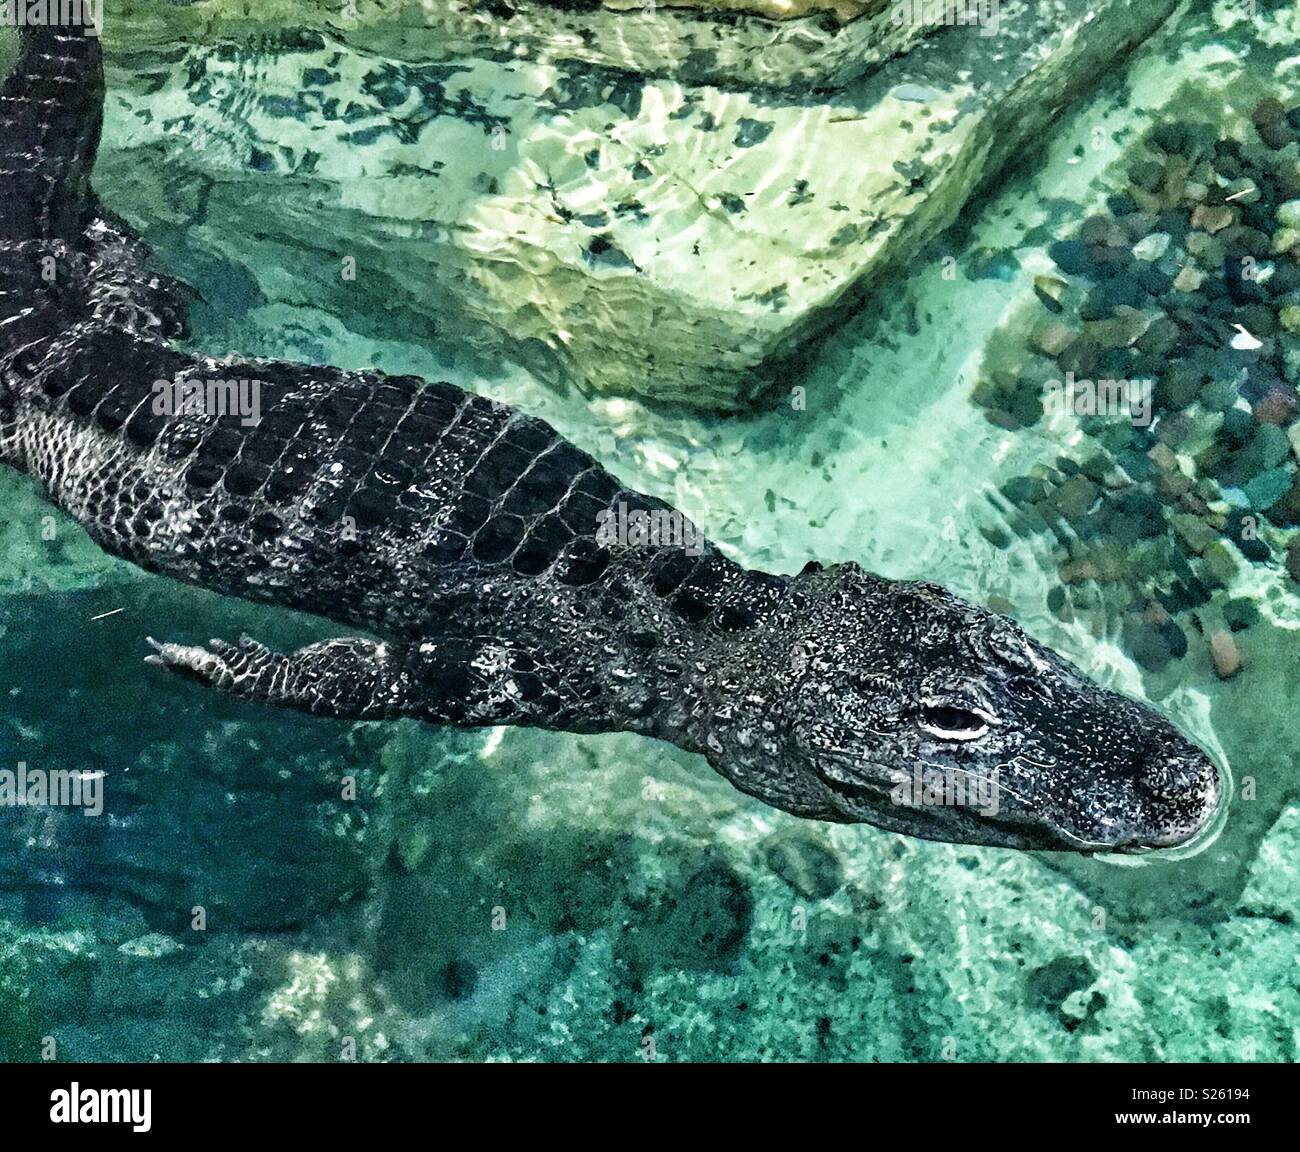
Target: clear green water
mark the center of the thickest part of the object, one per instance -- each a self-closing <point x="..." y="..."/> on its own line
<point x="514" y="895"/>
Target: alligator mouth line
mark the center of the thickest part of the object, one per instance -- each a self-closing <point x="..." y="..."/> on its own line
<point x="1016" y="833"/>
<point x="1028" y="832"/>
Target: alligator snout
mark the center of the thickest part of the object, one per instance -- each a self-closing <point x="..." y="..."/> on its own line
<point x="1168" y="795"/>
<point x="1178" y="799"/>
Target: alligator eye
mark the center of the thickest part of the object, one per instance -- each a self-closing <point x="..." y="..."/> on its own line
<point x="952" y="723"/>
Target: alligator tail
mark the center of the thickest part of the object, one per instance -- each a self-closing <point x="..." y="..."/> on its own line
<point x="51" y="107"/>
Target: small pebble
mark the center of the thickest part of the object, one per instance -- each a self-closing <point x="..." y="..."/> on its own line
<point x="1268" y="448"/>
<point x="1174" y="428"/>
<point x="1071" y="256"/>
<point x="1123" y="289"/>
<point x="1209" y="252"/>
<point x="1267" y="111"/>
<point x="1270" y="120"/>
<point x="1277" y="406"/>
<point x="1152" y="247"/>
<point x="1075" y="498"/>
<point x="1293" y="559"/>
<point x="1050" y="290"/>
<point x="1161" y="338"/>
<point x="1163" y="457"/>
<point x="1152" y="644"/>
<point x="1223" y="649"/>
<point x="1138" y="224"/>
<point x="1275" y="134"/>
<point x="1172" y="487"/>
<point x="1146" y="175"/>
<point x="1218" y="564"/>
<point x="1288" y="214"/>
<point x="914" y="93"/>
<point x="1286" y="511"/>
<point x="1122" y="330"/>
<point x="1240" y="613"/>
<point x="1170" y="137"/>
<point x="1052" y="338"/>
<point x="1266" y="489"/>
<point x="1285" y="239"/>
<point x="1196" y="534"/>
<point x="1244" y="241"/>
<point x="1212" y="217"/>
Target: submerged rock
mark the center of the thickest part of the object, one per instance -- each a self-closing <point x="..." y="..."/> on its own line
<point x="490" y="186"/>
<point x="1293" y="559"/>
<point x="818" y="44"/>
<point x="806" y="864"/>
<point x="1049" y="986"/>
<point x="1271" y="890"/>
<point x="1218" y="564"/>
<point x="1212" y="218"/>
<point x="1053" y="338"/>
<point x="701" y="926"/>
<point x="1223" y="650"/>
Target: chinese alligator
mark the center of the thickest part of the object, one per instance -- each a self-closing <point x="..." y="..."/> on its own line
<point x="460" y="538"/>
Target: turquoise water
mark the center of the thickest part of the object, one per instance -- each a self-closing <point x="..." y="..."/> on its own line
<point x="529" y="896"/>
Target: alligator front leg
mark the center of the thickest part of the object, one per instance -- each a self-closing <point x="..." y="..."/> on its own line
<point x="466" y="681"/>
<point x="350" y="678"/>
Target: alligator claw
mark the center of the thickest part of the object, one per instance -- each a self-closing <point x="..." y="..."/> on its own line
<point x="208" y="665"/>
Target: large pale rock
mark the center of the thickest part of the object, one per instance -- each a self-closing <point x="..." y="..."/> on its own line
<point x="775" y="43"/>
<point x="1272" y="890"/>
<point x="677" y="242"/>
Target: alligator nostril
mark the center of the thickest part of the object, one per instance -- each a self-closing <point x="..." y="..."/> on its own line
<point x="1182" y="796"/>
<point x="1160" y="782"/>
<point x="1172" y="778"/>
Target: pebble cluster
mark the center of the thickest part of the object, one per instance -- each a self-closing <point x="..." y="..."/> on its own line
<point x="1191" y="281"/>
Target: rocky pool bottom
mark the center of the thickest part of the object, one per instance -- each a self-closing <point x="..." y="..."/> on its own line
<point x="512" y="895"/>
<point x="267" y="886"/>
<point x="530" y="896"/>
<point x="1177" y="308"/>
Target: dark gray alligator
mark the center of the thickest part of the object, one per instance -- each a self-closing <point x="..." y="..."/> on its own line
<point x="461" y="537"/>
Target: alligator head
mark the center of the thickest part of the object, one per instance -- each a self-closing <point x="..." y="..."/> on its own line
<point x="897" y="704"/>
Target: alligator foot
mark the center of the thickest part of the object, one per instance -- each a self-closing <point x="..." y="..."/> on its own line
<point x="349" y="677"/>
